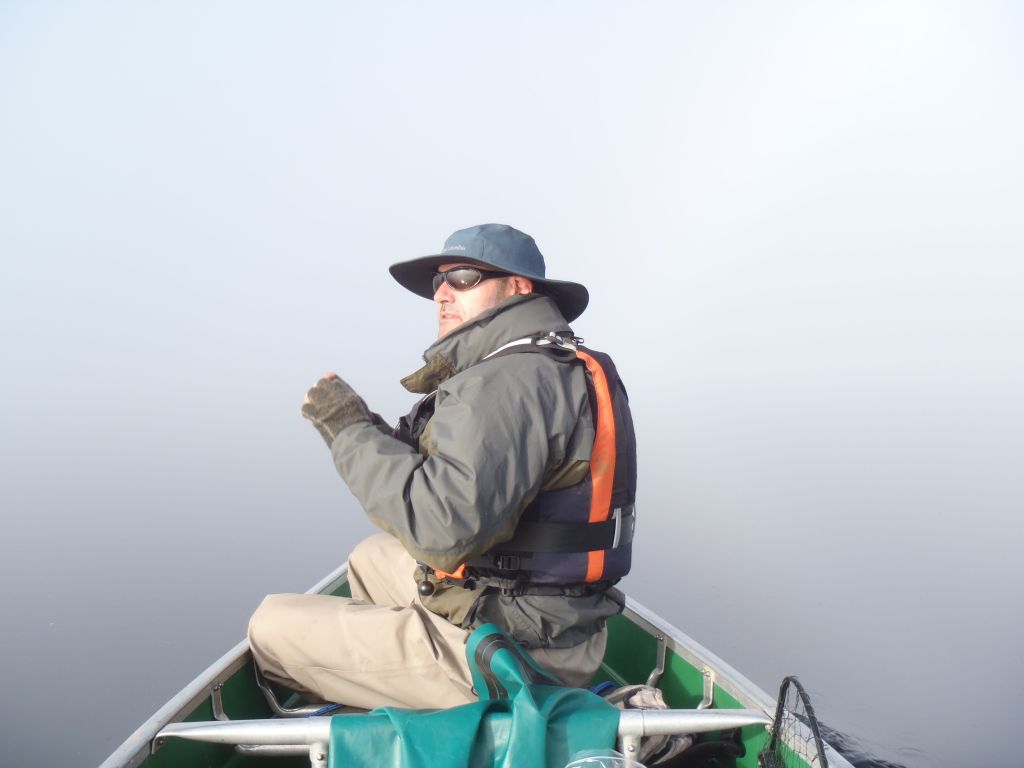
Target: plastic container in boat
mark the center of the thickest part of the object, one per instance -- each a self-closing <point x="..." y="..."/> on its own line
<point x="601" y="758"/>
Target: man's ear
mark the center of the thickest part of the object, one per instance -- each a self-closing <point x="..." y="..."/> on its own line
<point x="522" y="285"/>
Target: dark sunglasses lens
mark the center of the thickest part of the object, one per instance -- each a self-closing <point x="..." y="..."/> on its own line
<point x="460" y="278"/>
<point x="463" y="278"/>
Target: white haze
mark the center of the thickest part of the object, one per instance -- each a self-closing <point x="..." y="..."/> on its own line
<point x="801" y="225"/>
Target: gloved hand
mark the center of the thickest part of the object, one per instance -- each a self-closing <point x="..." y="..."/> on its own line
<point x="332" y="405"/>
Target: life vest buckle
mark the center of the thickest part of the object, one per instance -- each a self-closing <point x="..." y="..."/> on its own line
<point x="506" y="562"/>
<point x="567" y="343"/>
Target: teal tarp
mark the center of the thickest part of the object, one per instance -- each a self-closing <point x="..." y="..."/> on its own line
<point x="521" y="721"/>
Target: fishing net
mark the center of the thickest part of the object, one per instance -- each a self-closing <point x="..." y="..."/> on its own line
<point x="796" y="738"/>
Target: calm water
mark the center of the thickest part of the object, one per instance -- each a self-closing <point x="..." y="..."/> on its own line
<point x="854" y="751"/>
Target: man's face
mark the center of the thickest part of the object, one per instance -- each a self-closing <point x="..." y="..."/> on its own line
<point x="456" y="307"/>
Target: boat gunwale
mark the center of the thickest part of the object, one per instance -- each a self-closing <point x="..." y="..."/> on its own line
<point x="696" y="655"/>
<point x="737" y="685"/>
<point x="137" y="747"/>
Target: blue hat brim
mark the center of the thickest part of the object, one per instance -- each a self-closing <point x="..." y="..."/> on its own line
<point x="417" y="275"/>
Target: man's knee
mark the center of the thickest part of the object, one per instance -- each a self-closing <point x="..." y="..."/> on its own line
<point x="373" y="551"/>
<point x="267" y="624"/>
<point x="381" y="571"/>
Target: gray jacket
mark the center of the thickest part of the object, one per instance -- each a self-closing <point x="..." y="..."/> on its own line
<point x="502" y="430"/>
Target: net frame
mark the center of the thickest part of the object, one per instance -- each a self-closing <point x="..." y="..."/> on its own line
<point x="796" y="737"/>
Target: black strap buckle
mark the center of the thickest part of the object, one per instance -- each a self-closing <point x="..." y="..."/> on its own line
<point x="508" y="562"/>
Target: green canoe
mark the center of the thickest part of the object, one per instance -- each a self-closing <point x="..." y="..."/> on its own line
<point x="228" y="716"/>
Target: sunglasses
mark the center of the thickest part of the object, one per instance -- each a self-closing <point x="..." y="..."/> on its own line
<point x="464" y="278"/>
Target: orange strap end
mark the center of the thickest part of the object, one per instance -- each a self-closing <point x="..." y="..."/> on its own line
<point x="458" y="573"/>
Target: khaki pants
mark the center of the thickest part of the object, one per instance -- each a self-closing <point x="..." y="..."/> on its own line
<point x="382" y="647"/>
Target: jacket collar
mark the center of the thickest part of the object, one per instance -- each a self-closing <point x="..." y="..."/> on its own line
<point x="515" y="318"/>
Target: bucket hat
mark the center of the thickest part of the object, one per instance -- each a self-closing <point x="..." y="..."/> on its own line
<point x="500" y="247"/>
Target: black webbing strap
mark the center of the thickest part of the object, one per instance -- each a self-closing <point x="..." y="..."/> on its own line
<point x="533" y="536"/>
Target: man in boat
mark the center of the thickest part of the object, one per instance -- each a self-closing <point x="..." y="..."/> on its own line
<point x="505" y="496"/>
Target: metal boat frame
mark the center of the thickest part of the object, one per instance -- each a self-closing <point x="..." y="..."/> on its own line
<point x="755" y="706"/>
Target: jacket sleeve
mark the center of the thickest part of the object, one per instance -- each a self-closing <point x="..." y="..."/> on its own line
<point x="495" y="430"/>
